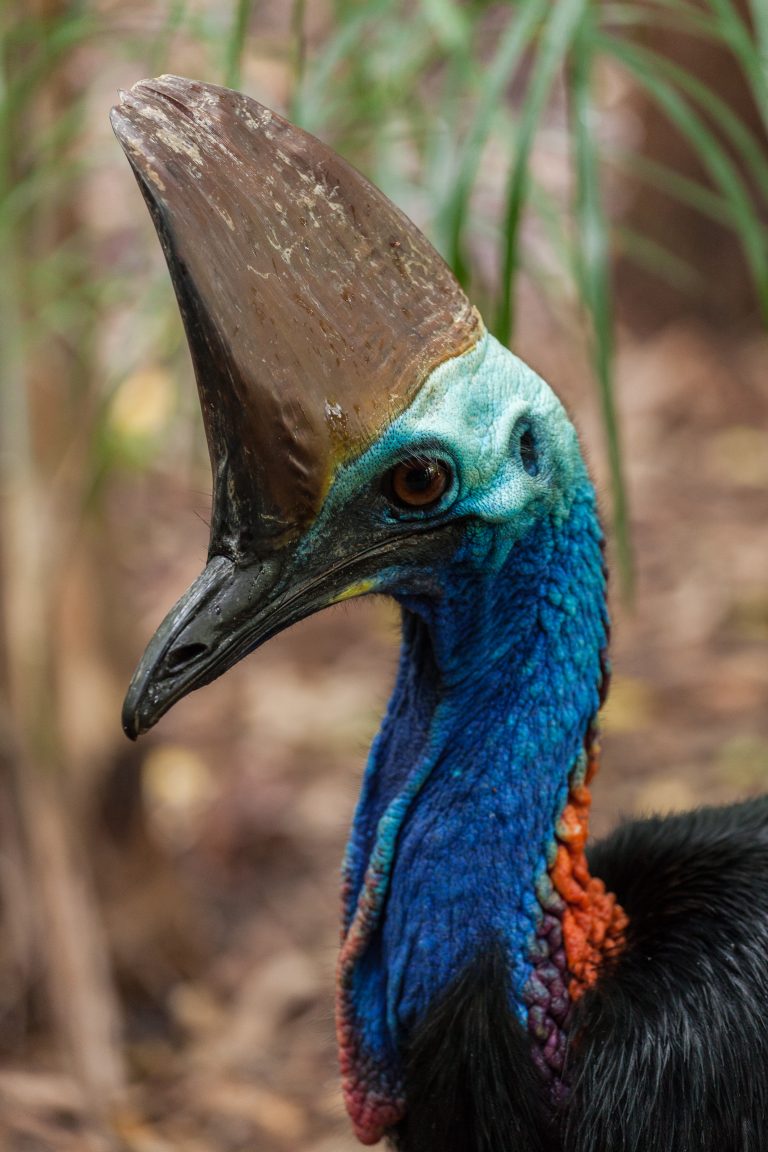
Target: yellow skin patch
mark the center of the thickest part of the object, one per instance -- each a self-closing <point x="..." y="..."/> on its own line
<point x="358" y="589"/>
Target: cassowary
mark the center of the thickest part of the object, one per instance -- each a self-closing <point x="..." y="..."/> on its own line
<point x="498" y="990"/>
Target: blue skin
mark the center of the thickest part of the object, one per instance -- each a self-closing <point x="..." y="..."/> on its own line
<point x="498" y="682"/>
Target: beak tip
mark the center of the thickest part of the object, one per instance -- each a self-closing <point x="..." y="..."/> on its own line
<point x="135" y="720"/>
<point x="131" y="724"/>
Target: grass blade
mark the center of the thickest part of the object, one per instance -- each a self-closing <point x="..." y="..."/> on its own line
<point x="299" y="42"/>
<point x="558" y="32"/>
<point x="555" y="224"/>
<point x="673" y="184"/>
<point x="162" y="46"/>
<point x="652" y="69"/>
<point x="594" y="264"/>
<point x="759" y="11"/>
<point x="235" y="45"/>
<point x="682" y="19"/>
<point x="721" y="168"/>
<point x="311" y="106"/>
<point x="452" y="219"/>
<point x="657" y="259"/>
<point x="739" y="39"/>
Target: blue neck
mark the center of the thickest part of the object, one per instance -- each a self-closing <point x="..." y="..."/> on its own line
<point x="499" y="680"/>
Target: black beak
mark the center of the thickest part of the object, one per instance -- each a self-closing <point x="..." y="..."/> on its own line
<point x="231" y="609"/>
<point x="214" y="624"/>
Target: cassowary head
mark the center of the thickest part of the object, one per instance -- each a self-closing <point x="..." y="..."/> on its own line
<point x="366" y="433"/>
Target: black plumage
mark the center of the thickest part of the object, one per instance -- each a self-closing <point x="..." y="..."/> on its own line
<point x="668" y="1052"/>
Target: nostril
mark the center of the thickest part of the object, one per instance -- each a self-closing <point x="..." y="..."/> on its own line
<point x="179" y="657"/>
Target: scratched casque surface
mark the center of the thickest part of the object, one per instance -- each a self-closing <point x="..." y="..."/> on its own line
<point x="373" y="304"/>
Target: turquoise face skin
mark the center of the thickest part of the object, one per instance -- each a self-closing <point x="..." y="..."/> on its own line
<point x="498" y="684"/>
<point x="471" y="411"/>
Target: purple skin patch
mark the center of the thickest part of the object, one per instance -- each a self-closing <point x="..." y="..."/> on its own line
<point x="546" y="997"/>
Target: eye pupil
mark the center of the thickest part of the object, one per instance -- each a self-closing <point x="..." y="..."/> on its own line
<point x="416" y="483"/>
<point x="418" y="480"/>
<point x="529" y="455"/>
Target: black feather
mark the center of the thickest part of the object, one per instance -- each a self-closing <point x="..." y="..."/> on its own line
<point x="469" y="1073"/>
<point x="670" y="1050"/>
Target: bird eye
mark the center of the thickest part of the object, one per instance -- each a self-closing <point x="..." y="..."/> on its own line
<point x="529" y="453"/>
<point x="417" y="482"/>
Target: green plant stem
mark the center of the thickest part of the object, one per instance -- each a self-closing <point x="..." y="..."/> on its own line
<point x="721" y="168"/>
<point x="235" y="45"/>
<point x="673" y="184"/>
<point x="759" y="11"/>
<point x="299" y="44"/>
<point x="556" y="37"/>
<point x="517" y="37"/>
<point x="741" y="41"/>
<point x="594" y="263"/>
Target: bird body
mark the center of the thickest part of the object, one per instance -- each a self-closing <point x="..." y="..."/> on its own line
<point x="495" y="991"/>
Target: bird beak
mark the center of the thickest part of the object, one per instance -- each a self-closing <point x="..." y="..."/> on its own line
<point x="227" y="612"/>
<point x="214" y="623"/>
<point x="314" y="311"/>
<point x="232" y="609"/>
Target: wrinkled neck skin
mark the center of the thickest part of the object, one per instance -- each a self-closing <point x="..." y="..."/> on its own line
<point x="469" y="824"/>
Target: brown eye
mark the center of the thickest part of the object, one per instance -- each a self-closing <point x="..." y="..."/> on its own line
<point x="417" y="482"/>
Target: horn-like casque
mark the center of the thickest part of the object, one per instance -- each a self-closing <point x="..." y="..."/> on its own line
<point x="314" y="309"/>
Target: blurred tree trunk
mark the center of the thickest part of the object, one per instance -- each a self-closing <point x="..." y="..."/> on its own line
<point x="726" y="293"/>
<point x="50" y="914"/>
